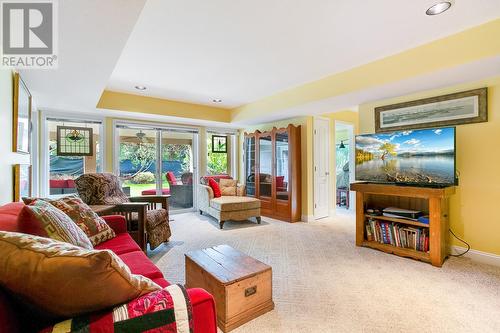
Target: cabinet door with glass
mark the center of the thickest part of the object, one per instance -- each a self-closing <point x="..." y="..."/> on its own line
<point x="264" y="179"/>
<point x="282" y="178"/>
<point x="250" y="165"/>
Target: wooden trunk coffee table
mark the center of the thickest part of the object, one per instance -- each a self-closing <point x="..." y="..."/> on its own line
<point x="241" y="285"/>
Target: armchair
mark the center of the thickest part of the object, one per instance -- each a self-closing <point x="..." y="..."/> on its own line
<point x="235" y="206"/>
<point x="181" y="191"/>
<point x="146" y="221"/>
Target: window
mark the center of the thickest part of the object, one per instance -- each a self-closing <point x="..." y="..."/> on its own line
<point x="60" y="170"/>
<point x="220" y="163"/>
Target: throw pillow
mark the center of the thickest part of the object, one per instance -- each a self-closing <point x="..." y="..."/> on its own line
<point x="227" y="186"/>
<point x="96" y="229"/>
<point x="215" y="187"/>
<point x="63" y="280"/>
<point x="280" y="182"/>
<point x="42" y="219"/>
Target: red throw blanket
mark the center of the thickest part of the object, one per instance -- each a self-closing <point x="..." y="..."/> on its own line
<point x="167" y="311"/>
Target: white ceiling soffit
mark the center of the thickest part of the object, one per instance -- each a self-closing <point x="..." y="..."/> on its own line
<point x="241" y="51"/>
<point x="474" y="71"/>
<point x="92" y="34"/>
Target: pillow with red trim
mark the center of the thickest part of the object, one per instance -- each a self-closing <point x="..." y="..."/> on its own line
<point x="215" y="187"/>
<point x="40" y="218"/>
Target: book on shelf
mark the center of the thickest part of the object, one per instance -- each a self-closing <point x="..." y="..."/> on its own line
<point x="397" y="234"/>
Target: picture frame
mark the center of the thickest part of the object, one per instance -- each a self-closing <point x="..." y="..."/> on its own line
<point x="460" y="108"/>
<point x="21" y="120"/>
<point x="219" y="144"/>
<point x="82" y="145"/>
<point x="22" y="181"/>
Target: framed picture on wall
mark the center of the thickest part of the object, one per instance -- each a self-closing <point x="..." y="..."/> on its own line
<point x="219" y="144"/>
<point x="461" y="108"/>
<point x="22" y="181"/>
<point x="21" y="124"/>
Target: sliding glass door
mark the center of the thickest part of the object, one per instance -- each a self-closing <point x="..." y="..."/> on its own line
<point x="154" y="160"/>
<point x="178" y="167"/>
<point x="137" y="160"/>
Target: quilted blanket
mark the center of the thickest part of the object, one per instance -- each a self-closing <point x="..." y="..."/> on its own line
<point x="167" y="311"/>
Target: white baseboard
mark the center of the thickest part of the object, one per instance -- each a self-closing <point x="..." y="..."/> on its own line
<point x="475" y="255"/>
<point x="307" y="218"/>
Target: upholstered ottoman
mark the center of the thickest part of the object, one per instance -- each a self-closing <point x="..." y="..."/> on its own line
<point x="228" y="207"/>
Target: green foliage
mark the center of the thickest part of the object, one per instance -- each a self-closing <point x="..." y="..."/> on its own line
<point x="141" y="155"/>
<point x="178" y="152"/>
<point x="144" y="178"/>
<point x="216" y="162"/>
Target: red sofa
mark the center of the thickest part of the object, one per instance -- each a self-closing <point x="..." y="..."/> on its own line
<point x="124" y="246"/>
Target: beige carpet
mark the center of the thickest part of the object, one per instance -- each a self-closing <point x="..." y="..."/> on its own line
<point x="322" y="282"/>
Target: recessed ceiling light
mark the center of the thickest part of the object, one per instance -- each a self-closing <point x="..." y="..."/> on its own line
<point x="217" y="100"/>
<point x="141" y="88"/>
<point x="438" y="8"/>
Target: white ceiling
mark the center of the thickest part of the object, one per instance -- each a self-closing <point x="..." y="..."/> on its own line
<point x="92" y="34"/>
<point x="241" y="51"/>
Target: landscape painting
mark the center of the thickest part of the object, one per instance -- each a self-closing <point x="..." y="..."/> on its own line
<point x="413" y="157"/>
<point x="442" y="111"/>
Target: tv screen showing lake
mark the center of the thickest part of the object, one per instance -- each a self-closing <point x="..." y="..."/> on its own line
<point x="414" y="156"/>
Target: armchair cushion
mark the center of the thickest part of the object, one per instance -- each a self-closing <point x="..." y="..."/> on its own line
<point x="234" y="203"/>
<point x="227" y="186"/>
<point x="60" y="273"/>
<point x="171" y="178"/>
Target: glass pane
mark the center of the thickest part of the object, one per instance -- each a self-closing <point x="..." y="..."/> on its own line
<point x="217" y="163"/>
<point x="64" y="169"/>
<point x="137" y="158"/>
<point x="282" y="181"/>
<point x="266" y="169"/>
<point x="177" y="168"/>
<point x="250" y="165"/>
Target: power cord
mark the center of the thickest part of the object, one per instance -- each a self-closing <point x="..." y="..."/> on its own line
<point x="468" y="246"/>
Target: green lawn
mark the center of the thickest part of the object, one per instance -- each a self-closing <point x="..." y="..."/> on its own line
<point x="136" y="189"/>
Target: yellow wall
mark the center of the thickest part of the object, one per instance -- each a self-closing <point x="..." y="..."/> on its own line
<point x="143" y="104"/>
<point x="306" y="135"/>
<point x="464" y="47"/>
<point x="8" y="157"/>
<point x="474" y="208"/>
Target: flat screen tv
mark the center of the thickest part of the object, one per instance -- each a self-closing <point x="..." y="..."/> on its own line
<point x="424" y="157"/>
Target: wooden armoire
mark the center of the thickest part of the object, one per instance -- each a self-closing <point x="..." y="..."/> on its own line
<point x="273" y="171"/>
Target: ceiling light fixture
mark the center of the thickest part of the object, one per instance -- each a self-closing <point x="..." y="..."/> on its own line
<point x="141" y="88"/>
<point x="438" y="8"/>
<point x="217" y="100"/>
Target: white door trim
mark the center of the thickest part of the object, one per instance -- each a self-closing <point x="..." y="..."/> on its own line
<point x="316" y="154"/>
<point x="352" y="165"/>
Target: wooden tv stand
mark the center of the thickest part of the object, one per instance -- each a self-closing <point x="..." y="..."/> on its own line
<point x="433" y="201"/>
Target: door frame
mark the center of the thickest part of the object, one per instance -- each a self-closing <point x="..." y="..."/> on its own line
<point x="352" y="165"/>
<point x="160" y="128"/>
<point x="328" y="160"/>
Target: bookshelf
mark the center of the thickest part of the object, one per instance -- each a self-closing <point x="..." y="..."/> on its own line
<point x="431" y="201"/>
